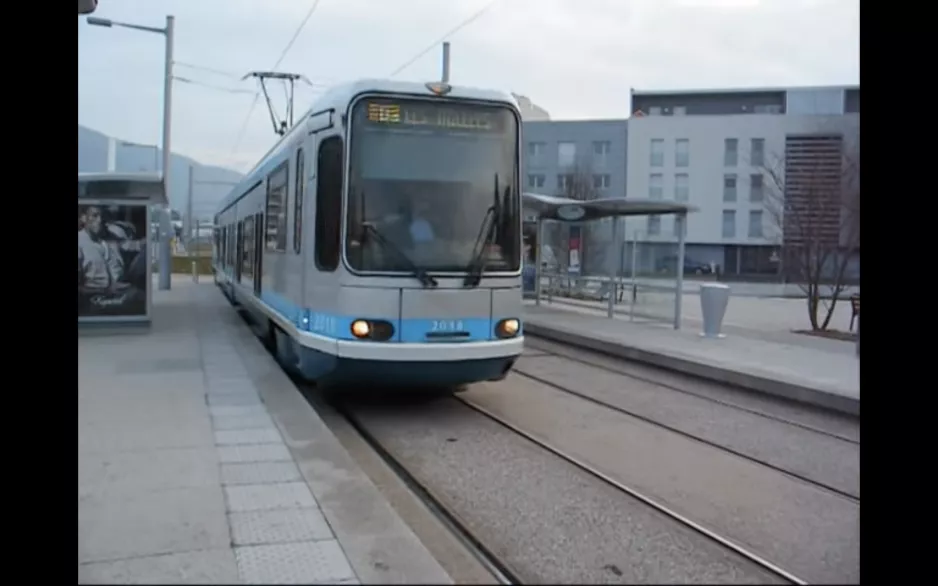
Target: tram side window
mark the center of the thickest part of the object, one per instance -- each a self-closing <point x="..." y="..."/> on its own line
<point x="298" y="203"/>
<point x="328" y="203"/>
<point x="247" y="247"/>
<point x="232" y="247"/>
<point x="276" y="238"/>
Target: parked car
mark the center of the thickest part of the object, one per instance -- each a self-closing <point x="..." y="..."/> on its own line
<point x="668" y="264"/>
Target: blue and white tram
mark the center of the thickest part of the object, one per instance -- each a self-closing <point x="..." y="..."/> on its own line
<point x="379" y="241"/>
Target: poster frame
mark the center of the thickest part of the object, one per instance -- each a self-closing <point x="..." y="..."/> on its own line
<point x="118" y="319"/>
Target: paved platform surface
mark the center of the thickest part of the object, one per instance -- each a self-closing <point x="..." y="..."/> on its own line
<point x="200" y="462"/>
<point x="825" y="377"/>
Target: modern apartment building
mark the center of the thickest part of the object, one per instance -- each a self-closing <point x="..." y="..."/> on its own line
<point x="729" y="152"/>
<point x="584" y="159"/>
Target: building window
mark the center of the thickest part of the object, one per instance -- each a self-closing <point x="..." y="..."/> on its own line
<point x="276" y="239"/>
<point x="299" y="193"/>
<point x="730" y="152"/>
<point x="729" y="188"/>
<point x="755" y="224"/>
<point x="729" y="223"/>
<point x="680" y="110"/>
<point x="601" y="181"/>
<point x="682" y="187"/>
<point x="566" y="154"/>
<point x="757" y="152"/>
<point x="756" y="188"/>
<point x="654" y="111"/>
<point x="681" y="152"/>
<point x="654" y="225"/>
<point x="536" y="181"/>
<point x="657" y="152"/>
<point x="656" y="186"/>
<point x="563" y="181"/>
<point x="536" y="150"/>
<point x="329" y="203"/>
<point x="601" y="150"/>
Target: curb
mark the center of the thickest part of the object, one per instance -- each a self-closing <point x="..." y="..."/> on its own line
<point x="746" y="381"/>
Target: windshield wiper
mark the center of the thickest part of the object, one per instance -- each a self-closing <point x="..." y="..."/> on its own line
<point x="425" y="279"/>
<point x="477" y="261"/>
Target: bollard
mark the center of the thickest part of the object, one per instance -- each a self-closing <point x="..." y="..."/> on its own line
<point x="195" y="272"/>
<point x="714" y="298"/>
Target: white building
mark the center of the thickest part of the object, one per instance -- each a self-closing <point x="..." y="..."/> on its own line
<point x="529" y="110"/>
<point x="714" y="149"/>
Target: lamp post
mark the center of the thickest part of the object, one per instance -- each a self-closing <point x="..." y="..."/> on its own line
<point x="165" y="225"/>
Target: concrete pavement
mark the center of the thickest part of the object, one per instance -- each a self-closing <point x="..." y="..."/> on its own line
<point x="805" y="373"/>
<point x="200" y="462"/>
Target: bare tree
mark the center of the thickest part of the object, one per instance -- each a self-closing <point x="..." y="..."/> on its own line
<point x="813" y="199"/>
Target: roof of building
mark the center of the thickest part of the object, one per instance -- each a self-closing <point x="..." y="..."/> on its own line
<point x="750" y="90"/>
<point x="552" y="207"/>
<point x="122" y="186"/>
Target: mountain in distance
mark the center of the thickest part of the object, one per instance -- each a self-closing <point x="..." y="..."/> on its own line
<point x="211" y="183"/>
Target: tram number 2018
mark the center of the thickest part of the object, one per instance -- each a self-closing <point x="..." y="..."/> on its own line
<point x="323" y="324"/>
<point x="445" y="325"/>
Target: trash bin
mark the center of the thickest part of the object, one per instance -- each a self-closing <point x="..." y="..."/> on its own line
<point x="714" y="298"/>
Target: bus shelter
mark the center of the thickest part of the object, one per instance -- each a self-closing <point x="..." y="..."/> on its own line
<point x="114" y="242"/>
<point x="566" y="210"/>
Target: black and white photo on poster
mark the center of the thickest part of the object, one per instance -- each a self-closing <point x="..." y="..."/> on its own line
<point x="112" y="260"/>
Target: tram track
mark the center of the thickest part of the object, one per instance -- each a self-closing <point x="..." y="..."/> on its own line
<point x="451" y="520"/>
<point x="541" y="349"/>
<point x="647" y="500"/>
<point x="476" y="539"/>
<point x="673" y="429"/>
<point x="497" y="565"/>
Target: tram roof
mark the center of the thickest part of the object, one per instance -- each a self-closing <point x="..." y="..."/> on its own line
<point x="552" y="207"/>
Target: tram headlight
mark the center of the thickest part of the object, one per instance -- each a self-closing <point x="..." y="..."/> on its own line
<point x="361" y="329"/>
<point x="377" y="330"/>
<point x="507" y="328"/>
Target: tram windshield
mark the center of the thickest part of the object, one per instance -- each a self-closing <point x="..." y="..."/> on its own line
<point x="430" y="177"/>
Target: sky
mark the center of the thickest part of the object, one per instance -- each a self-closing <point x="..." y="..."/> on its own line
<point x="577" y="59"/>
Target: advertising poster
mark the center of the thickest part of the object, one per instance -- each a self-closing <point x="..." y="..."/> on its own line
<point x="573" y="261"/>
<point x="112" y="260"/>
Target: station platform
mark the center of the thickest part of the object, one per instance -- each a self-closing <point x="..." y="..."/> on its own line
<point x="823" y="373"/>
<point x="200" y="462"/>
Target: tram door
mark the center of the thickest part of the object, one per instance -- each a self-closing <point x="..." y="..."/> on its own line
<point x="259" y="254"/>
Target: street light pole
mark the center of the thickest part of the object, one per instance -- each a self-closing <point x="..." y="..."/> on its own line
<point x="165" y="224"/>
<point x="165" y="252"/>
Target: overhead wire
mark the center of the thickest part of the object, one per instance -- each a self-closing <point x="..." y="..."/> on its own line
<point x="257" y="94"/>
<point x="475" y="16"/>
<point x="211" y="86"/>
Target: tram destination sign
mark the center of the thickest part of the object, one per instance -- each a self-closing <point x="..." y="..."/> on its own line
<point x="430" y="116"/>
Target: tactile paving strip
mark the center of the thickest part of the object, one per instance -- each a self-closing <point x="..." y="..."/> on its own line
<point x="237" y="410"/>
<point x="259" y="473"/>
<point x="278" y="526"/>
<point x="233" y="437"/>
<point x="257" y="497"/>
<point x="254" y="453"/>
<point x="233" y="400"/>
<point x="310" y="562"/>
<point x="256" y="421"/>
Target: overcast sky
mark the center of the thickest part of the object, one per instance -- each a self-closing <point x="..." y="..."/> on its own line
<point x="575" y="58"/>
